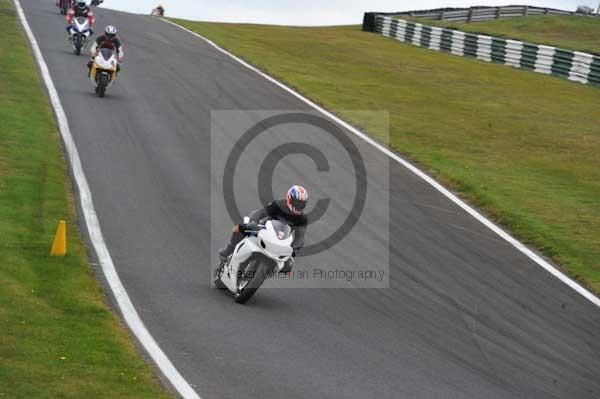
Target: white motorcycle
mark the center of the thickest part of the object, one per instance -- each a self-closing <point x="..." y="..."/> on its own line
<point x="80" y="32"/>
<point x="260" y="255"/>
<point x="104" y="71"/>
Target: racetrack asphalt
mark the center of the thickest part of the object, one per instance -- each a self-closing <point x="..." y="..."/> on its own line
<point x="465" y="316"/>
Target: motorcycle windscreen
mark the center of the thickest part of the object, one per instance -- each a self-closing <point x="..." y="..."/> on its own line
<point x="106" y="53"/>
<point x="282" y="229"/>
<point x="80" y="20"/>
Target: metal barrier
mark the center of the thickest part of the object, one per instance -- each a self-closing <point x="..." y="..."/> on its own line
<point x="473" y="14"/>
<point x="573" y="65"/>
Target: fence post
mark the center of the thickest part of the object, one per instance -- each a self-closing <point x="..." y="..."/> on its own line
<point x="441" y="15"/>
<point x="470" y="17"/>
<point x="369" y="22"/>
<point x="526" y="11"/>
<point x="498" y="12"/>
<point x="546" y="11"/>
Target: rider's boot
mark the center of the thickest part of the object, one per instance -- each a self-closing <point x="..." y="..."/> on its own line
<point x="225" y="252"/>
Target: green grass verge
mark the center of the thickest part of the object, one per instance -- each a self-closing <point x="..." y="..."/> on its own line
<point x="565" y="31"/>
<point x="522" y="146"/>
<point x="58" y="338"/>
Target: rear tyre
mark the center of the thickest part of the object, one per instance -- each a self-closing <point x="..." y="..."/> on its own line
<point x="251" y="280"/>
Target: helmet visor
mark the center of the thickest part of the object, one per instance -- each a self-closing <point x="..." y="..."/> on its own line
<point x="296" y="205"/>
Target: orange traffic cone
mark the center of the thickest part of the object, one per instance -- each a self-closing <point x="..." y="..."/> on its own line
<point x="59" y="246"/>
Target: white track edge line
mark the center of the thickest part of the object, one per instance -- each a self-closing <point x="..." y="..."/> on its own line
<point x="130" y="315"/>
<point x="448" y="194"/>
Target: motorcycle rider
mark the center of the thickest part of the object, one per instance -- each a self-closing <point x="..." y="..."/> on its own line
<point x="289" y="209"/>
<point x="160" y="10"/>
<point x="108" y="40"/>
<point x="79" y="9"/>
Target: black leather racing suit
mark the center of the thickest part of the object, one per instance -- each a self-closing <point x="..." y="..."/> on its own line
<point x="81" y="11"/>
<point x="277" y="210"/>
<point x="104" y="41"/>
<point x="112" y="43"/>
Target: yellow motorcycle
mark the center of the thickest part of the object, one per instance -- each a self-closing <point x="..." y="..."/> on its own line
<point x="104" y="71"/>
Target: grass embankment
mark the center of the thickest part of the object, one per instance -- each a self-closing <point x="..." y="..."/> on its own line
<point x="565" y="31"/>
<point x="522" y="146"/>
<point x="58" y="338"/>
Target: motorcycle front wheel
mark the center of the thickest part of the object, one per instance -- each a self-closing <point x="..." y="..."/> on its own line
<point x="251" y="279"/>
<point x="78" y="44"/>
<point x="102" y="84"/>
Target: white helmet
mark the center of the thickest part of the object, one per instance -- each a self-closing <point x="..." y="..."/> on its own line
<point x="110" y="31"/>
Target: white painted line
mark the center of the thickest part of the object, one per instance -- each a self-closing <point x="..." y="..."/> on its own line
<point x="130" y="315"/>
<point x="489" y="224"/>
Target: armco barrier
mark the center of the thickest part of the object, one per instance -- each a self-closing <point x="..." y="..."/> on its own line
<point x="572" y="65"/>
<point x="472" y="14"/>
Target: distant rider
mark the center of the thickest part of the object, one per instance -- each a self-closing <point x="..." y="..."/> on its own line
<point x="159" y="11"/>
<point x="108" y="40"/>
<point x="289" y="209"/>
<point x="79" y="9"/>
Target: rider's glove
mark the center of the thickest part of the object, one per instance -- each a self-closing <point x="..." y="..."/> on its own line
<point x="241" y="228"/>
